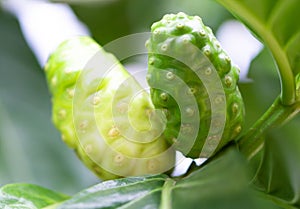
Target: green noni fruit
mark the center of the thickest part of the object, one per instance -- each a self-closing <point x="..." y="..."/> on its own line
<point x="184" y="54"/>
<point x="104" y="114"/>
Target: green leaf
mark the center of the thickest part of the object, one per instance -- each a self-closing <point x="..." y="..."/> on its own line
<point x="279" y="172"/>
<point x="273" y="21"/>
<point x="264" y="85"/>
<point x="282" y="146"/>
<point x="223" y="183"/>
<point x="28" y="196"/>
<point x="132" y="192"/>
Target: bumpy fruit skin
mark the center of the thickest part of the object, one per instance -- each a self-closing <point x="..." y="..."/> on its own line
<point x="91" y="103"/>
<point x="175" y="33"/>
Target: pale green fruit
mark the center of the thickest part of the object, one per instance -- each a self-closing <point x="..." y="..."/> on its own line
<point x="104" y="114"/>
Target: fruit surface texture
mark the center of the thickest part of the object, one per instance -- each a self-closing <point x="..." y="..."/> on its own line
<point x="185" y="54"/>
<point x="104" y="114"/>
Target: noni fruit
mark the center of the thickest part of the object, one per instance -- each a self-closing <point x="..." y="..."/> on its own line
<point x="104" y="114"/>
<point x="185" y="58"/>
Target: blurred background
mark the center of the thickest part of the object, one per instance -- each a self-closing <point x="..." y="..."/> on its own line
<point x="30" y="147"/>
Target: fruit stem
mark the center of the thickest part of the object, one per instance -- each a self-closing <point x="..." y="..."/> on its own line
<point x="166" y="201"/>
<point x="278" y="114"/>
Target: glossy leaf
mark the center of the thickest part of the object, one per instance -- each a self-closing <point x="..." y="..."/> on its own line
<point x="223" y="183"/>
<point x="15" y="196"/>
<point x="205" y="188"/>
<point x="274" y="23"/>
<point x="132" y="192"/>
<point x="279" y="172"/>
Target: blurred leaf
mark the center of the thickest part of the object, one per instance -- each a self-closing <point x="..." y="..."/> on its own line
<point x="264" y="84"/>
<point x="107" y="21"/>
<point x="132" y="192"/>
<point x="204" y="188"/>
<point x="275" y="23"/>
<point x="143" y="13"/>
<point x="27" y="196"/>
<point x="280" y="171"/>
<point x="30" y="148"/>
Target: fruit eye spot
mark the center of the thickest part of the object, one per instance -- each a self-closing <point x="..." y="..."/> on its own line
<point x="83" y="125"/>
<point x="170" y="76"/>
<point x="238" y="129"/>
<point x="218" y="99"/>
<point x="179" y="26"/>
<point x="151" y="60"/>
<point x="207" y="71"/>
<point x="218" y="45"/>
<point x="114" y="132"/>
<point x="174" y="140"/>
<point x="71" y="92"/>
<point x="156" y="31"/>
<point x="202" y="33"/>
<point x="164" y="96"/>
<point x="228" y="81"/>
<point x="192" y="91"/>
<point x="62" y="114"/>
<point x="119" y="158"/>
<point x="207" y="52"/>
<point x="164" y="47"/>
<point x="190" y="111"/>
<point x="235" y="107"/>
<point x="228" y="60"/>
<point x="186" y="128"/>
<point x="96" y="100"/>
